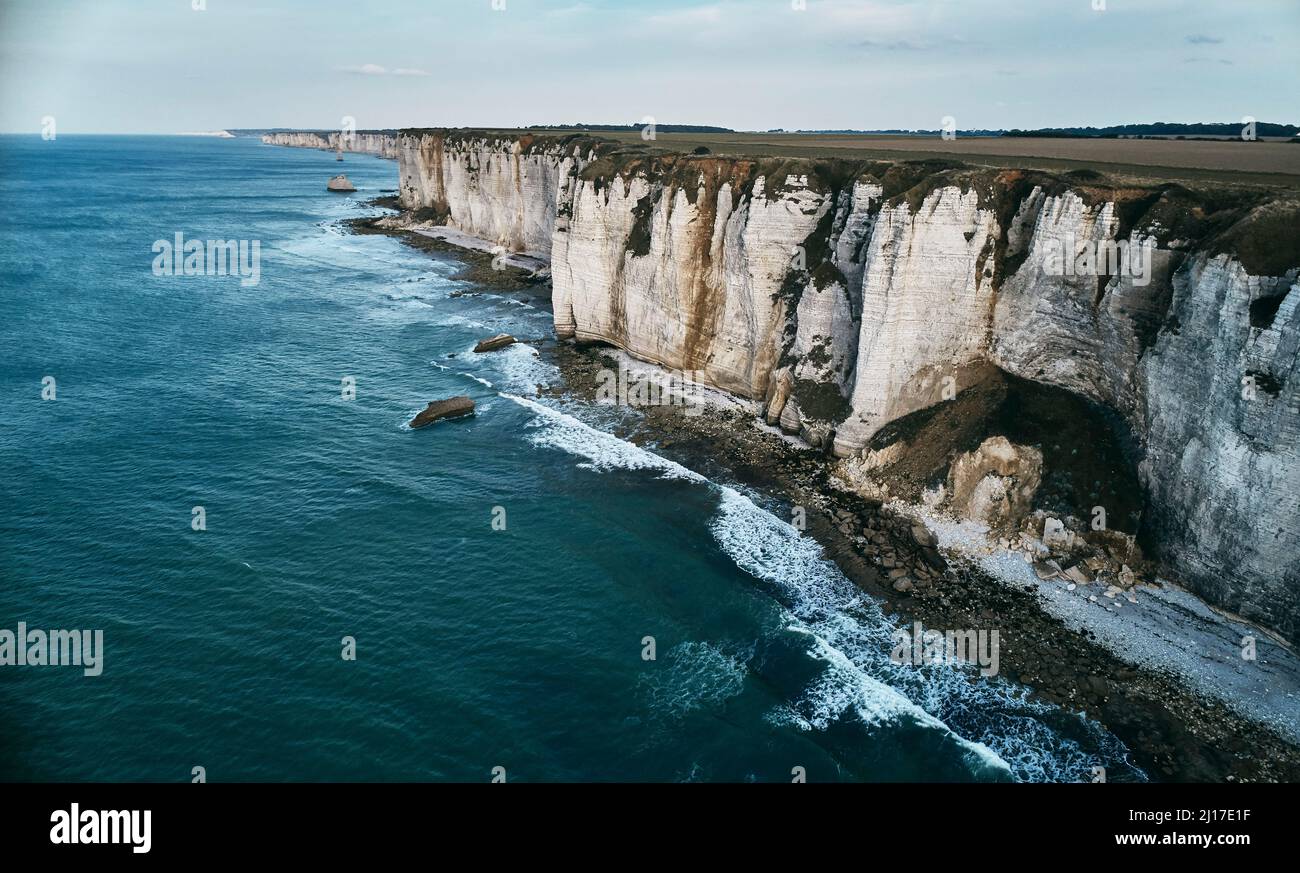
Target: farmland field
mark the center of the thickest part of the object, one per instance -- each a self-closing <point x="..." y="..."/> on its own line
<point x="1188" y="161"/>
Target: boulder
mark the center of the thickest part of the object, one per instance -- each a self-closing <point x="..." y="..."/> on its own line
<point x="1077" y="574"/>
<point x="1056" y="536"/>
<point x="932" y="557"/>
<point x="1048" y="569"/>
<point x="452" y="407"/>
<point x="996" y="483"/>
<point x="340" y="183"/>
<point x="491" y="344"/>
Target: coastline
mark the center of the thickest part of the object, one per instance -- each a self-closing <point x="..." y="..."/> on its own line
<point x="1174" y="731"/>
<point x="1176" y="726"/>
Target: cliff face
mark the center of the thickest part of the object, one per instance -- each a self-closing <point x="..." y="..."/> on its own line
<point x="1223" y="458"/>
<point x="844" y="296"/>
<point x="363" y="142"/>
<point x="927" y="295"/>
<point x="505" y="190"/>
<point x="699" y="289"/>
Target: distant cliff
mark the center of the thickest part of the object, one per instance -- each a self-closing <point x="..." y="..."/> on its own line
<point x="845" y="295"/>
<point x="363" y="142"/>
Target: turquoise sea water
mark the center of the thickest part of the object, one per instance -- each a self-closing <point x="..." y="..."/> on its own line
<point x="476" y="648"/>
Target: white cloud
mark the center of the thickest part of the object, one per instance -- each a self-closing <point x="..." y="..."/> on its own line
<point x="365" y="70"/>
<point x="376" y="70"/>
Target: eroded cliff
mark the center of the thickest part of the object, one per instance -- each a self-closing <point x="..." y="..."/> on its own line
<point x="846" y="295"/>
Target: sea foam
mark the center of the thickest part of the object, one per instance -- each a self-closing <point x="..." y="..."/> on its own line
<point x="845" y="630"/>
<point x="995" y="724"/>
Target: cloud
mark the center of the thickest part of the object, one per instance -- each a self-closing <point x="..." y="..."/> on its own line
<point x="376" y="70"/>
<point x="914" y="45"/>
<point x="896" y="45"/>
<point x="1202" y="39"/>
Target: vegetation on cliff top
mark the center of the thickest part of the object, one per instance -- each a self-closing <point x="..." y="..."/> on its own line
<point x="1259" y="227"/>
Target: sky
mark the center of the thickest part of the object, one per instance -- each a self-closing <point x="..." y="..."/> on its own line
<point x="162" y="66"/>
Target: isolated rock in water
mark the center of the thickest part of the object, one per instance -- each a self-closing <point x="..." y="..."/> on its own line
<point x="340" y="183"/>
<point x="996" y="483"/>
<point x="491" y="344"/>
<point x="452" y="407"/>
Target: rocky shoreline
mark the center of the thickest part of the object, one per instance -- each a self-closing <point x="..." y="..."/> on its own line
<point x="847" y="296"/>
<point x="1174" y="732"/>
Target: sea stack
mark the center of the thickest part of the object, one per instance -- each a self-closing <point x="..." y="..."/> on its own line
<point x="340" y="183"/>
<point x="452" y="407"/>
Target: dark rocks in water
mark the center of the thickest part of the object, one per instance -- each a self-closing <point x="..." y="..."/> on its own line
<point x="452" y="407"/>
<point x="340" y="183"/>
<point x="491" y="344"/>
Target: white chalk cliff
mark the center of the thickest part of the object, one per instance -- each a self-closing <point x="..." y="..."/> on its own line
<point x="362" y="142"/>
<point x="846" y="295"/>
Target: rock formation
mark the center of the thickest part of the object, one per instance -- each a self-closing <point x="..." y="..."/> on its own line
<point x="491" y="344"/>
<point x="452" y="407"/>
<point x="995" y="483"/>
<point x="340" y="183"/>
<point x="845" y="295"/>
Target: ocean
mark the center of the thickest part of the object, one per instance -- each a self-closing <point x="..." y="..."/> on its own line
<point x="624" y="618"/>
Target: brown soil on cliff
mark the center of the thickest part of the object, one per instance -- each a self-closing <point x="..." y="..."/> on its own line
<point x="1089" y="456"/>
<point x="1152" y="161"/>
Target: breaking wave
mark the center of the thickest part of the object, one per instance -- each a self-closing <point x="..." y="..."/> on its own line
<point x="993" y="725"/>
